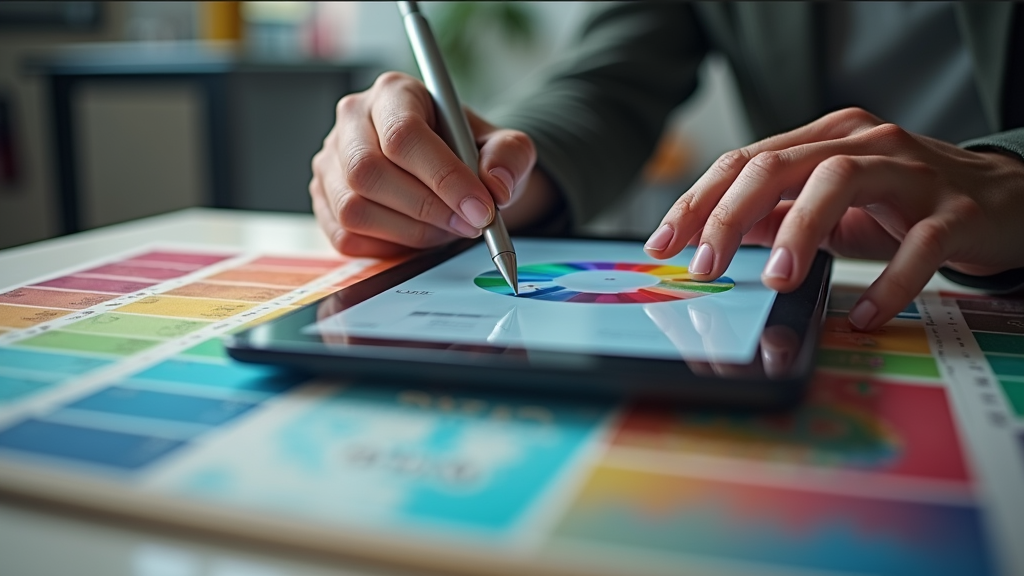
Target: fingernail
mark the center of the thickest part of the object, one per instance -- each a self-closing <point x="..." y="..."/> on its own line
<point x="505" y="177"/>
<point x="463" y="227"/>
<point x="703" y="260"/>
<point x="475" y="211"/>
<point x="660" y="239"/>
<point x="780" y="265"/>
<point x="863" y="313"/>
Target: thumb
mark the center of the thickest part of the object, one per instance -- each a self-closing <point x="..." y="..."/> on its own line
<point x="506" y="158"/>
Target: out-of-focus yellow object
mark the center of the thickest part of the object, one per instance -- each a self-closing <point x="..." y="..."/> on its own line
<point x="220" y="21"/>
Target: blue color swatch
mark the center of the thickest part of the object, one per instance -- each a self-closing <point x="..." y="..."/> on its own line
<point x="163" y="406"/>
<point x="16" y="387"/>
<point x="103" y="447"/>
<point x="47" y="362"/>
<point x="234" y="375"/>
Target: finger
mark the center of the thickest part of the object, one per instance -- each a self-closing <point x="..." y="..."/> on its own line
<point x="366" y="171"/>
<point x="766" y="180"/>
<point x="366" y="218"/>
<point x="506" y="159"/>
<point x="407" y="139"/>
<point x="857" y="235"/>
<point x="346" y="242"/>
<point x="693" y="208"/>
<point x="835" y="185"/>
<point x="924" y="249"/>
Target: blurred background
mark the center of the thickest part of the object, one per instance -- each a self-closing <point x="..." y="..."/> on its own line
<point x="111" y="111"/>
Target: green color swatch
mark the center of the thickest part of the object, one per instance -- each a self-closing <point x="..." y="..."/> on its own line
<point x="1015" y="394"/>
<point x="1000" y="343"/>
<point x="1006" y="365"/>
<point x="60" y="340"/>
<point x="211" y="348"/>
<point x="133" y="325"/>
<point x="877" y="363"/>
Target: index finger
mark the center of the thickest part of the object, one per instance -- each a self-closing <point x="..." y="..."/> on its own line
<point x="692" y="209"/>
<point x="401" y="119"/>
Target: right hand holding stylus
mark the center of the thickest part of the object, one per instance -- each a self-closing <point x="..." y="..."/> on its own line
<point x="385" y="182"/>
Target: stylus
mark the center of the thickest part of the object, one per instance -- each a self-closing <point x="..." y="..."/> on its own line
<point x="454" y="129"/>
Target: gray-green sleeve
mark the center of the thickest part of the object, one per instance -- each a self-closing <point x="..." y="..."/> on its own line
<point x="597" y="115"/>
<point x="1010" y="281"/>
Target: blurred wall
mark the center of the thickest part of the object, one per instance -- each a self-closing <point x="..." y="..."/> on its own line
<point x="28" y="206"/>
<point x="126" y="173"/>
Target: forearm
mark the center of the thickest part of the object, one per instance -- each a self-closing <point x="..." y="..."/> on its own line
<point x="596" y="117"/>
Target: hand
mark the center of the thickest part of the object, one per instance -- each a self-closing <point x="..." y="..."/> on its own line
<point x="861" y="188"/>
<point x="385" y="182"/>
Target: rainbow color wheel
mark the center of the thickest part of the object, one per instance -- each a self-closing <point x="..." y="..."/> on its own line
<point x="604" y="283"/>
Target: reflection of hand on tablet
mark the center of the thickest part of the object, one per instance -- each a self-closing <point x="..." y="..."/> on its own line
<point x="705" y="327"/>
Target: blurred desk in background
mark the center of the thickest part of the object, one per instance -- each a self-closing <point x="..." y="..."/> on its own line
<point x="256" y="125"/>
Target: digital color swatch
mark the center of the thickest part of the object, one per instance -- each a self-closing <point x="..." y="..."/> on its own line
<point x="604" y="283"/>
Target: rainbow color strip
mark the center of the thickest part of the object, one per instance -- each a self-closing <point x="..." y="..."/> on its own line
<point x="540" y="282"/>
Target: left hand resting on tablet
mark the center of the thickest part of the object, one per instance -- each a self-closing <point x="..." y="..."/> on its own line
<point x="858" y="187"/>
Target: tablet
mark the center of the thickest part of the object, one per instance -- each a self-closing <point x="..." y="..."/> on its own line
<point x="592" y="317"/>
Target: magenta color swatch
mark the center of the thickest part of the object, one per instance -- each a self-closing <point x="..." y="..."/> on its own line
<point x="96" y="284"/>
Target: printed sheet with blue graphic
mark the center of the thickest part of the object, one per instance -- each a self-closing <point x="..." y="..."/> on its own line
<point x="906" y="458"/>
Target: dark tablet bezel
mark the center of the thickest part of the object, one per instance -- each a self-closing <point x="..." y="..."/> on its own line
<point x="794" y="320"/>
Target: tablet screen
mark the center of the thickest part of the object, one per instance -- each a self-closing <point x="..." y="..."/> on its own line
<point x="588" y="297"/>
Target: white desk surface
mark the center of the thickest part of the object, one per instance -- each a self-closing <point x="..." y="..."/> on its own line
<point x="46" y="541"/>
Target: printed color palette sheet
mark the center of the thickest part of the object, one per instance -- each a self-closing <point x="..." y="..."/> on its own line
<point x="907" y="456"/>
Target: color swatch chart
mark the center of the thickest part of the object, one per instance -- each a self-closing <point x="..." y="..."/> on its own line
<point x="893" y="465"/>
<point x="119" y="364"/>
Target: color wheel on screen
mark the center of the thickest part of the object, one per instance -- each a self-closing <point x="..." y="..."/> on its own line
<point x="604" y="283"/>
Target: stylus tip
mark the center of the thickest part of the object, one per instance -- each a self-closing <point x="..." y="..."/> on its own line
<point x="505" y="262"/>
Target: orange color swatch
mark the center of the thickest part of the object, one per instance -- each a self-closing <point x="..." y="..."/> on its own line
<point x="902" y="336"/>
<point x="24" y="316"/>
<point x="228" y="292"/>
<point x="262" y="276"/>
<point x="185" y="307"/>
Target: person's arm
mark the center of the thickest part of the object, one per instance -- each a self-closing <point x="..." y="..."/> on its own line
<point x="597" y="115"/>
<point x="384" y="182"/>
<point x="1010" y="143"/>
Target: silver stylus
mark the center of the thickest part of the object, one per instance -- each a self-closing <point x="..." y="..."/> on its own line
<point x="454" y="129"/>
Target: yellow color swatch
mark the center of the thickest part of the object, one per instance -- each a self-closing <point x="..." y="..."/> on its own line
<point x="186" y="307"/>
<point x="25" y="316"/>
<point x="313" y="297"/>
<point x="266" y="318"/>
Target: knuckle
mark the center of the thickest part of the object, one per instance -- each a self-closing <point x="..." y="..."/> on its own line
<point x="718" y="221"/>
<point x="352" y="212"/>
<point x="427" y="208"/>
<point x="316" y="162"/>
<point x="347" y="106"/>
<point x="517" y="142"/>
<point x="730" y="161"/>
<point x="837" y="168"/>
<point x="765" y="165"/>
<point x="390" y="78"/>
<point x="685" y="206"/>
<point x="855" y="113"/>
<point x="444" y="174"/>
<point x="363" y="169"/>
<point x="401" y="131"/>
<point x="887" y="131"/>
<point x="932" y="237"/>
<point x="347" y="243"/>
